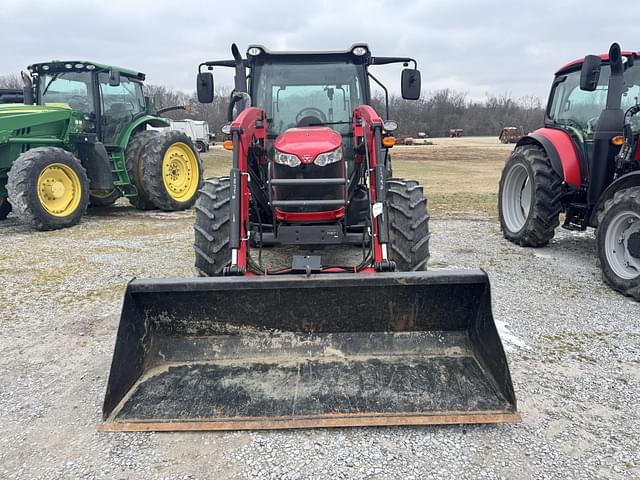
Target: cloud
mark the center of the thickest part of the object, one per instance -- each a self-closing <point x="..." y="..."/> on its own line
<point x="473" y="46"/>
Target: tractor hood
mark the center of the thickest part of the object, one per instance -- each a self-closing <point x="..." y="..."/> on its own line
<point x="308" y="142"/>
<point x="21" y="109"/>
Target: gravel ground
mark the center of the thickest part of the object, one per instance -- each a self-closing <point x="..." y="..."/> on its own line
<point x="573" y="347"/>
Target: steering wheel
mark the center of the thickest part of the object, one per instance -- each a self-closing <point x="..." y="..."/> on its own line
<point x="309" y="116"/>
<point x="79" y="100"/>
<point x="591" y="123"/>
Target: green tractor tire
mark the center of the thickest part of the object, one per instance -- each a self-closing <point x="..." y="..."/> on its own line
<point x="135" y="168"/>
<point x="172" y="171"/>
<point x="104" y="199"/>
<point x="5" y="208"/>
<point x="48" y="188"/>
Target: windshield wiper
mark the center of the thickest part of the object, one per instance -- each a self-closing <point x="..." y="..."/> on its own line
<point x="46" y="87"/>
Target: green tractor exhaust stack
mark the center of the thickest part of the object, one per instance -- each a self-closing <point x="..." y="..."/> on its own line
<point x="81" y="138"/>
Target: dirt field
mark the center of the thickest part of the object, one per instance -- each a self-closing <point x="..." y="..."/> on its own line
<point x="573" y="347"/>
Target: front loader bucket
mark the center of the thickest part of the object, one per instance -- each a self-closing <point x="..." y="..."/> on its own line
<point x="332" y="350"/>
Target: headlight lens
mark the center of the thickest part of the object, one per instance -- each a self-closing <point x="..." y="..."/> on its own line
<point x="329" y="157"/>
<point x="287" y="159"/>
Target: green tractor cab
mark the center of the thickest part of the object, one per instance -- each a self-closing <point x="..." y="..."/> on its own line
<point x="81" y="138"/>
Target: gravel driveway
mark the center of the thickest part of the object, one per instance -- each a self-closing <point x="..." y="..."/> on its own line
<point x="573" y="347"/>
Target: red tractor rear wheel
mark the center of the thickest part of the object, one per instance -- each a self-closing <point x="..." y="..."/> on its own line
<point x="529" y="197"/>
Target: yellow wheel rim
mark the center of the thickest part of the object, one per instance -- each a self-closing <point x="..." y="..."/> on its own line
<point x="59" y="190"/>
<point x="180" y="172"/>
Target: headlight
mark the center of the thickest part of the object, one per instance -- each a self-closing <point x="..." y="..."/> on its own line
<point x="390" y="126"/>
<point x="329" y="157"/>
<point x="286" y="159"/>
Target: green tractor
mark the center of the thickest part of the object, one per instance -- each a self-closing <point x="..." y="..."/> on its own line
<point x="81" y="137"/>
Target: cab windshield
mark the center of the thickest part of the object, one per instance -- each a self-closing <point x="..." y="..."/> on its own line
<point x="74" y="89"/>
<point x="305" y="94"/>
<point x="572" y="107"/>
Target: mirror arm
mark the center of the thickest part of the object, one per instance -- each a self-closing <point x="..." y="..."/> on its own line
<point x="386" y="92"/>
<point x="388" y="60"/>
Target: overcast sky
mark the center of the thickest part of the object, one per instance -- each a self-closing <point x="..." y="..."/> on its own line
<point x="472" y="46"/>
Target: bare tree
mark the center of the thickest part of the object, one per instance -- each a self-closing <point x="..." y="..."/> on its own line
<point x="10" y="80"/>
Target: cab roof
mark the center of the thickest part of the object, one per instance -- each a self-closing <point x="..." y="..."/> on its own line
<point x="362" y="48"/>
<point x="576" y="64"/>
<point x="81" y="65"/>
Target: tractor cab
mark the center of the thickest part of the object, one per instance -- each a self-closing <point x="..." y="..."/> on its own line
<point x="109" y="97"/>
<point x="579" y="95"/>
<point x="312" y="168"/>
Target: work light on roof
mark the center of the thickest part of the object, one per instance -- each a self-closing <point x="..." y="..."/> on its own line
<point x="68" y="65"/>
<point x="359" y="51"/>
<point x="45" y="67"/>
<point x="254" y="51"/>
<point x="91" y="67"/>
<point x="79" y="65"/>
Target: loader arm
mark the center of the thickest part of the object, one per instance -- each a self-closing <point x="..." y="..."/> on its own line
<point x="248" y="128"/>
<point x="367" y="135"/>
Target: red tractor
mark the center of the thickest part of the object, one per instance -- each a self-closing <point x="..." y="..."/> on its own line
<point x="311" y="344"/>
<point x="311" y="166"/>
<point x="584" y="163"/>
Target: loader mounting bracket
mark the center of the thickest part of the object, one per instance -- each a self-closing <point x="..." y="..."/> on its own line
<point x="233" y="271"/>
<point x="385" y="266"/>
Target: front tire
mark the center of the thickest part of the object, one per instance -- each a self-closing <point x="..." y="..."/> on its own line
<point x="48" y="188"/>
<point x="529" y="197"/>
<point x="5" y="208"/>
<point x="211" y="229"/>
<point x="618" y="242"/>
<point x="172" y="171"/>
<point x="408" y="225"/>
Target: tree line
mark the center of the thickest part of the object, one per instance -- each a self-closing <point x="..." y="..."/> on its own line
<point x="434" y="114"/>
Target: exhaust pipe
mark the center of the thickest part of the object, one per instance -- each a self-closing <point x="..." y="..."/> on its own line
<point x="27" y="88"/>
<point x="610" y="124"/>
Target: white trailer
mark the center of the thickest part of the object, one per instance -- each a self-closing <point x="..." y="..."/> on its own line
<point x="196" y="130"/>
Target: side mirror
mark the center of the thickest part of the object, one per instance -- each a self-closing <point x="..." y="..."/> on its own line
<point x="410" y="84"/>
<point x="590" y="73"/>
<point x="114" y="78"/>
<point x="204" y="87"/>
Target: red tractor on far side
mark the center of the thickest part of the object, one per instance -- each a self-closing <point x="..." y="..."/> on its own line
<point x="584" y="163"/>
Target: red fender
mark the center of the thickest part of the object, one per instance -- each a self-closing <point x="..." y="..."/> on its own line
<point x="562" y="152"/>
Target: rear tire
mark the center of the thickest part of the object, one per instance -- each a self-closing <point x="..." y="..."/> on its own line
<point x="618" y="242"/>
<point x="172" y="171"/>
<point x="529" y="197"/>
<point x="211" y="229"/>
<point x="48" y="188"/>
<point x="408" y="225"/>
<point x="5" y="208"/>
<point x="135" y="168"/>
<point x="99" y="200"/>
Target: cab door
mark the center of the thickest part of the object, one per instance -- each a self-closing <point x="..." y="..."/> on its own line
<point x="119" y="106"/>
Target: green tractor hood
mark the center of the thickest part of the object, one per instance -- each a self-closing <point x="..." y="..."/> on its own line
<point x="48" y="121"/>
